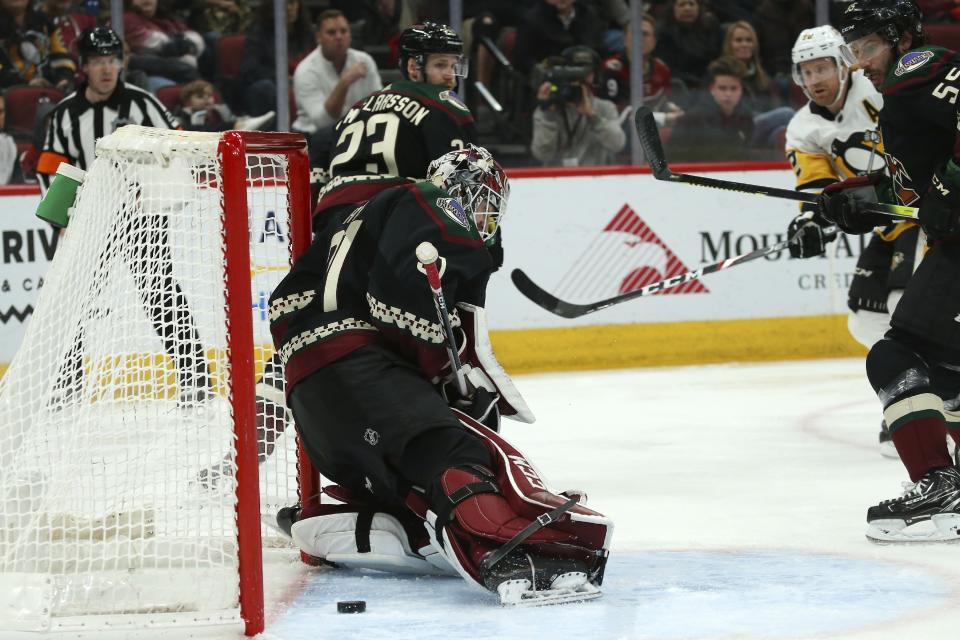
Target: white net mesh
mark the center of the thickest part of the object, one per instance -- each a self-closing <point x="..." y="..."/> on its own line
<point x="117" y="490"/>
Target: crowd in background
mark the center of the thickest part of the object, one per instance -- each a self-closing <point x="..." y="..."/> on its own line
<point x="715" y="72"/>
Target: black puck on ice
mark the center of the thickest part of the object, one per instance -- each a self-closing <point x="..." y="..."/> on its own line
<point x="351" y="606"/>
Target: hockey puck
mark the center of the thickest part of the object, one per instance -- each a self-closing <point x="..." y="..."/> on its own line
<point x="351" y="606"/>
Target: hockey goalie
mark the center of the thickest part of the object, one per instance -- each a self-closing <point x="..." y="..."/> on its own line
<point x="425" y="482"/>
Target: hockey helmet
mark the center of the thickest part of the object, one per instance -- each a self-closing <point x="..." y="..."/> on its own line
<point x="890" y="19"/>
<point x="473" y="177"/>
<point x="815" y="43"/>
<point x="99" y="41"/>
<point x="420" y="40"/>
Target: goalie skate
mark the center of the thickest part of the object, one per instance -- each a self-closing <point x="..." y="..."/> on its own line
<point x="522" y="581"/>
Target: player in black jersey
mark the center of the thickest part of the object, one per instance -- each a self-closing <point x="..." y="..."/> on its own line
<point x="915" y="369"/>
<point x="391" y="136"/>
<point x="364" y="352"/>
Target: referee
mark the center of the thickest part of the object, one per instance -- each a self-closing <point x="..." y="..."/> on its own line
<point x="100" y="105"/>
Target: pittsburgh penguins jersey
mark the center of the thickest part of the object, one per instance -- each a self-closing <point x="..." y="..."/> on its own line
<point x="824" y="147"/>
<point x="359" y="282"/>
<point x="396" y="132"/>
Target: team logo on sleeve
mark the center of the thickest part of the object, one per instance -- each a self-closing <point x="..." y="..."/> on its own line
<point x="454" y="210"/>
<point x="912" y="61"/>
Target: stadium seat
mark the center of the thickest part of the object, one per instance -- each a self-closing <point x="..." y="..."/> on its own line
<point x="944" y="35"/>
<point x="169" y="96"/>
<point x="230" y="55"/>
<point x="22" y="104"/>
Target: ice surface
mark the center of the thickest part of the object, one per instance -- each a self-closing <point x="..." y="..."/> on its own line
<point x="739" y="494"/>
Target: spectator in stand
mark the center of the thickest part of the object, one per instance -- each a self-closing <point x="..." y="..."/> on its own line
<point x="215" y="19"/>
<point x="688" y="39"/>
<point x="68" y="20"/>
<point x="551" y="26"/>
<point x="760" y="92"/>
<point x="200" y="111"/>
<point x="257" y="69"/>
<point x="734" y="10"/>
<point x="487" y="19"/>
<point x="162" y="44"/>
<point x="333" y="77"/>
<point x="615" y="16"/>
<point x="571" y="126"/>
<point x="656" y="76"/>
<point x="9" y="158"/>
<point x="720" y="126"/>
<point x="372" y="22"/>
<point x="940" y="10"/>
<point x="779" y="22"/>
<point x="33" y="51"/>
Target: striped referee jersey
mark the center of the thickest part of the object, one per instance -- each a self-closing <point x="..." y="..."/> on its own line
<point x="76" y="124"/>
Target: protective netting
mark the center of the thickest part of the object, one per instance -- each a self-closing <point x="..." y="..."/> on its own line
<point x="117" y="464"/>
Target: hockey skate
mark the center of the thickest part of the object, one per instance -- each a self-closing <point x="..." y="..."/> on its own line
<point x="521" y="579"/>
<point x="927" y="512"/>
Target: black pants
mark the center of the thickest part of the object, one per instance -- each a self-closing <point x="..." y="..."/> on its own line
<point x="372" y="423"/>
<point x="930" y="306"/>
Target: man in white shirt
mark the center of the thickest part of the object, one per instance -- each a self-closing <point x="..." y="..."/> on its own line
<point x="332" y="77"/>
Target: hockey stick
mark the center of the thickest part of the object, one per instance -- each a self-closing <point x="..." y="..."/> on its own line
<point x="566" y="309"/>
<point x="427" y="256"/>
<point x="653" y="150"/>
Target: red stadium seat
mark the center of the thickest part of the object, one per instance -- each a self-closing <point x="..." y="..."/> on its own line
<point x="944" y="35"/>
<point x="169" y="96"/>
<point x="229" y="55"/>
<point x="22" y="104"/>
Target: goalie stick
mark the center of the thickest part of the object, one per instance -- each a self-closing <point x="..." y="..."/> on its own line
<point x="566" y="309"/>
<point x="653" y="150"/>
<point x="427" y="256"/>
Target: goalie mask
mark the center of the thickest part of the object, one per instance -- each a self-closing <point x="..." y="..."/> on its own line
<point x="478" y="181"/>
<point x="823" y="42"/>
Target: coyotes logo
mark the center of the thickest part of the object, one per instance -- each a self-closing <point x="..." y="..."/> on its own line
<point x="902" y="183"/>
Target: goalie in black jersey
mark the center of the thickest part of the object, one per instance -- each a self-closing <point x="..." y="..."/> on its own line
<point x="915" y="369"/>
<point x="427" y="483"/>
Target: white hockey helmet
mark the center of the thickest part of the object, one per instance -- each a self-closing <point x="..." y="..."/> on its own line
<point x="819" y="42"/>
<point x="473" y="177"/>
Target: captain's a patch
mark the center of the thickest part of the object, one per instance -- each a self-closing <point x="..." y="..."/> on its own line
<point x="454" y="210"/>
<point x="912" y="61"/>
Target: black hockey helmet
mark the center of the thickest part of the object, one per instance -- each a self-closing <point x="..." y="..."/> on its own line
<point x="890" y="19"/>
<point x="99" y="41"/>
<point x="420" y="40"/>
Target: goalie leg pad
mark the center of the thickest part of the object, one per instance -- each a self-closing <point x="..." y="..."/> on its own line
<point x="503" y="530"/>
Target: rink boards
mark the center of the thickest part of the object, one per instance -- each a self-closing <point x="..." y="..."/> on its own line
<point x="586" y="235"/>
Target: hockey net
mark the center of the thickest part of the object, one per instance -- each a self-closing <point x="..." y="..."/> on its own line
<point x="137" y="418"/>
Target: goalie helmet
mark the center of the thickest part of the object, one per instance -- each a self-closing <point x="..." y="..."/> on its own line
<point x="99" y="41"/>
<point x="816" y="43"/>
<point x="478" y="181"/>
<point x="420" y="40"/>
<point x="890" y="19"/>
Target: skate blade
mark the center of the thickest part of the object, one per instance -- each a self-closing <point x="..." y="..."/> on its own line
<point x="517" y="593"/>
<point x="939" y="528"/>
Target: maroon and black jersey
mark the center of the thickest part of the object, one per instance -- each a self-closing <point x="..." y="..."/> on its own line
<point x="359" y="282"/>
<point x="392" y="134"/>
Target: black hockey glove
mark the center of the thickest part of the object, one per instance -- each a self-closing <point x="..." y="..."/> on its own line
<point x="480" y="403"/>
<point x="841" y="203"/>
<point x="808" y="235"/>
<point x="939" y="208"/>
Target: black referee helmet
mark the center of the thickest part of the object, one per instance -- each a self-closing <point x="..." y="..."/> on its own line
<point x="99" y="41"/>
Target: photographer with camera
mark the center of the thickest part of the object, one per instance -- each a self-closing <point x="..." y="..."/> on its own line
<point x="571" y="126"/>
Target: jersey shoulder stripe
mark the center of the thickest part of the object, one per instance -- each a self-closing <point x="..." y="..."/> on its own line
<point x="917" y="66"/>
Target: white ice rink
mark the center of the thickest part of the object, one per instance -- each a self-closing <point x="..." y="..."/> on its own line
<point x="738" y="494"/>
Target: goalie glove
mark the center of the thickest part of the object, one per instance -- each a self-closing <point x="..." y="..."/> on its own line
<point x="808" y="235"/>
<point x="939" y="207"/>
<point x="480" y="403"/>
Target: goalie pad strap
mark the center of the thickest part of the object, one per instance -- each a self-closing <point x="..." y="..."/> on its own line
<point x="445" y="509"/>
<point x="539" y="523"/>
<point x="362" y="535"/>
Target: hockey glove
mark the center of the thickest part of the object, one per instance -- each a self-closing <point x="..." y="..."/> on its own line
<point x="939" y="209"/>
<point x="808" y="235"/>
<point x="841" y="203"/>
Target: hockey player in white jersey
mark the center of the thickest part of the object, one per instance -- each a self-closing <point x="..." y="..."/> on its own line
<point x="834" y="137"/>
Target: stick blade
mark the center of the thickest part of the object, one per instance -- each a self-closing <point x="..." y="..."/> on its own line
<point x="650" y="141"/>
<point x="544" y="299"/>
